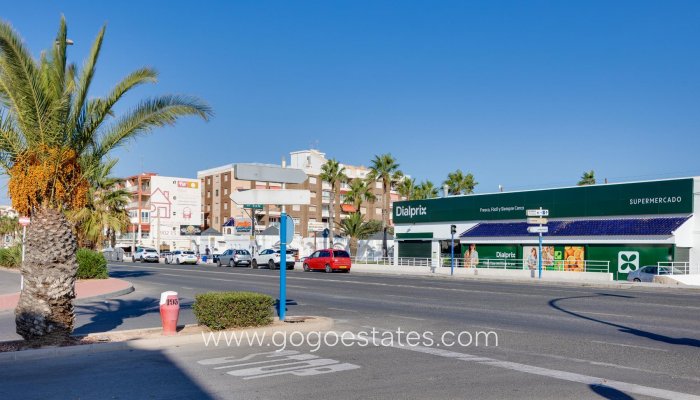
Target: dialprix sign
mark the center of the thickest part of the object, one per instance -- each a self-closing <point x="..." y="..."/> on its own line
<point x="642" y="198"/>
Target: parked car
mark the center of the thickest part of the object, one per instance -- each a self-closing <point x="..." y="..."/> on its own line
<point x="164" y="254"/>
<point x="647" y="273"/>
<point x="234" y="258"/>
<point x="328" y="260"/>
<point x="182" y="257"/>
<point x="145" y="254"/>
<point x="271" y="258"/>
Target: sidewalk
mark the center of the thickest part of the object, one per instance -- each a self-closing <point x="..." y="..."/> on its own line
<point x="9" y="281"/>
<point x="84" y="289"/>
<point x="514" y="276"/>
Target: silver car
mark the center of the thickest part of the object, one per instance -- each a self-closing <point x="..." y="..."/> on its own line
<point x="234" y="258"/>
<point x="647" y="273"/>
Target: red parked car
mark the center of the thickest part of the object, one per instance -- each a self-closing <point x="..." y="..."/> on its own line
<point x="328" y="260"/>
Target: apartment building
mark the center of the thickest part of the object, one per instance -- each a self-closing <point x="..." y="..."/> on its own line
<point x="164" y="212"/>
<point x="218" y="210"/>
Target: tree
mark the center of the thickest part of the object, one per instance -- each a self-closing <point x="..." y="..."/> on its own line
<point x="385" y="169"/>
<point x="459" y="183"/>
<point x="588" y="178"/>
<point x="426" y="190"/>
<point x="9" y="226"/>
<point x="53" y="139"/>
<point x="406" y="187"/>
<point x="105" y="212"/>
<point x="360" y="191"/>
<point x="333" y="173"/>
<point x="357" y="229"/>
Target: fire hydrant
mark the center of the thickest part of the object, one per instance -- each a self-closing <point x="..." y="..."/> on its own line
<point x="169" y="312"/>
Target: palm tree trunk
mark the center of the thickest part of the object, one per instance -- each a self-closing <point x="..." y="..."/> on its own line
<point x="44" y="313"/>
<point x="331" y="219"/>
<point x="353" y="246"/>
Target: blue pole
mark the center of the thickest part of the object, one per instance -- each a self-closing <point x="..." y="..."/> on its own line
<point x="539" y="257"/>
<point x="283" y="265"/>
<point x="452" y="265"/>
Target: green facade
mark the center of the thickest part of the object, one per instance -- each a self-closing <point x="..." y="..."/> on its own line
<point x="642" y="198"/>
<point x="415" y="248"/>
<point x="629" y="257"/>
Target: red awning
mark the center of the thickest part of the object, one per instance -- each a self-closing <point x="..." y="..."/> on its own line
<point x="348" y="208"/>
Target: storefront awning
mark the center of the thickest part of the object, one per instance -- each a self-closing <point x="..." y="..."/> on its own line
<point x="590" y="227"/>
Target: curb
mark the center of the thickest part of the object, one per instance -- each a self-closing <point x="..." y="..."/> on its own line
<point x="161" y="342"/>
<point x="629" y="286"/>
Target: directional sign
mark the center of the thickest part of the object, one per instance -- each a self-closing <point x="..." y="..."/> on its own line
<point x="537" y="213"/>
<point x="268" y="173"/>
<point x="538" y="229"/>
<point x="253" y="206"/>
<point x="24" y="221"/>
<point x="537" y="221"/>
<point x="290" y="229"/>
<point x="316" y="226"/>
<point x="266" y="196"/>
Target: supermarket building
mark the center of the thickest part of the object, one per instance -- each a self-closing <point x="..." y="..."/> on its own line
<point x="621" y="226"/>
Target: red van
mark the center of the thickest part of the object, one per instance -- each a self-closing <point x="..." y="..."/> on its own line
<point x="328" y="260"/>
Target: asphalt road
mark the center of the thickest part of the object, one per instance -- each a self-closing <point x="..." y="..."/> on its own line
<point x="554" y="341"/>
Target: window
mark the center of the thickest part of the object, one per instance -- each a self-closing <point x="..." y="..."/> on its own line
<point x="363" y="210"/>
<point x="216" y="220"/>
<point x="225" y="206"/>
<point x="341" y="253"/>
<point x="316" y="253"/>
<point x="216" y="192"/>
<point x="208" y="180"/>
<point x="225" y="192"/>
<point x="208" y="194"/>
<point x="312" y="209"/>
<point x="313" y="194"/>
<point x="312" y="180"/>
<point x="225" y="178"/>
<point x="325" y="253"/>
<point x="296" y="207"/>
<point x="378" y="211"/>
<point x="378" y="185"/>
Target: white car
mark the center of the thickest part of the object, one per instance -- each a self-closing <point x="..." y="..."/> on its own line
<point x="182" y="257"/>
<point x="271" y="258"/>
<point x="145" y="254"/>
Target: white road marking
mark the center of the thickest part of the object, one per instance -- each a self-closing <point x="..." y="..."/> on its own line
<point x="629" y="345"/>
<point x="342" y="309"/>
<point x="405" y="317"/>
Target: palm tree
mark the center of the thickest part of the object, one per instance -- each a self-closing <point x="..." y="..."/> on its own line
<point x="426" y="190"/>
<point x="53" y="139"/>
<point x="360" y="191"/>
<point x="588" y="178"/>
<point x="333" y="173"/>
<point x="459" y="183"/>
<point x="357" y="229"/>
<point x="105" y="212"/>
<point x="385" y="169"/>
<point x="406" y="187"/>
<point x="9" y="226"/>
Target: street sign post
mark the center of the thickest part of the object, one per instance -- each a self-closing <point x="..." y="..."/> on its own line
<point x="283" y="197"/>
<point x="537" y="213"/>
<point x="540" y="229"/>
<point x="253" y="206"/>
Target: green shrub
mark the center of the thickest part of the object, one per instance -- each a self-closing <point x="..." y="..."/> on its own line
<point x="91" y="265"/>
<point x="11" y="257"/>
<point x="223" y="310"/>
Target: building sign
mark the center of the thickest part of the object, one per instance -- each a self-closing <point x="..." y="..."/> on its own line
<point x="243" y="226"/>
<point x="190" y="230"/>
<point x="642" y="198"/>
<point x="175" y="203"/>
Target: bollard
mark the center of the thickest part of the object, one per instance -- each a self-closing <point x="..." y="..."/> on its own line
<point x="169" y="312"/>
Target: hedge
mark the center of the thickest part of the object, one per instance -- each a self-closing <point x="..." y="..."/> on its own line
<point x="91" y="265"/>
<point x="11" y="257"/>
<point x="223" y="310"/>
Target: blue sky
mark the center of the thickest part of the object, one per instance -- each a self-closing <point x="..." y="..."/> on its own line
<point x="524" y="94"/>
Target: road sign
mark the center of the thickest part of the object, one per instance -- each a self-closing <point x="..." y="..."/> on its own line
<point x="253" y="206"/>
<point x="537" y="213"/>
<point x="24" y="221"/>
<point x="316" y="226"/>
<point x="268" y="173"/>
<point x="538" y="229"/>
<point x="267" y="196"/>
<point x="537" y="221"/>
<point x="290" y="229"/>
<point x="326" y="232"/>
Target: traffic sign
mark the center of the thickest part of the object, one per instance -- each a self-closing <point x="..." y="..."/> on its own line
<point x="537" y="221"/>
<point x="253" y="206"/>
<point x="326" y="232"/>
<point x="267" y="196"/>
<point x="290" y="229"/>
<point x="316" y="226"/>
<point x="24" y="221"/>
<point x="537" y="213"/>
<point x="538" y="229"/>
<point x="268" y="173"/>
